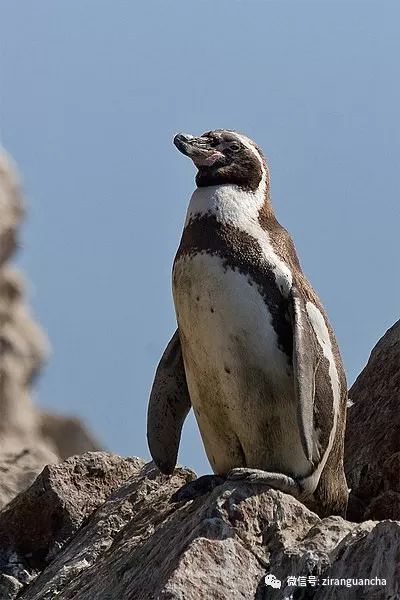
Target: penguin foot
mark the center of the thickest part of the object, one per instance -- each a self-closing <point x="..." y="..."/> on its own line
<point x="278" y="481"/>
<point x="196" y="488"/>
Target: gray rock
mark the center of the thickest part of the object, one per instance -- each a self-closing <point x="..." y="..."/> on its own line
<point x="18" y="470"/>
<point x="372" y="445"/>
<point x="135" y="544"/>
<point x="9" y="587"/>
<point x="370" y="551"/>
<point x="39" y="521"/>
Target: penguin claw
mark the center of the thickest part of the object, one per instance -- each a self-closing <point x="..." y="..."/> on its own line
<point x="278" y="481"/>
<point x="198" y="487"/>
<point x="239" y="474"/>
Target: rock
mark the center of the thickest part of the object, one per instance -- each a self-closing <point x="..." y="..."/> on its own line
<point x="370" y="551"/>
<point x="384" y="506"/>
<point x="9" y="587"/>
<point x="127" y="540"/>
<point x="11" y="206"/>
<point x="133" y="519"/>
<point x="67" y="434"/>
<point x="19" y="470"/>
<point x="23" y="349"/>
<point x="372" y="446"/>
<point x="40" y="520"/>
<point x="24" y="430"/>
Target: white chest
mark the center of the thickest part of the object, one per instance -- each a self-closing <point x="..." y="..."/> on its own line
<point x="240" y="381"/>
<point x="225" y="320"/>
<point x="240" y="209"/>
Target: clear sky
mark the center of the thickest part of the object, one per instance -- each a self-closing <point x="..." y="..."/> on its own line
<point x="91" y="93"/>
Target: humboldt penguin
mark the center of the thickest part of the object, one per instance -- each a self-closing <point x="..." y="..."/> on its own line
<point x="254" y="353"/>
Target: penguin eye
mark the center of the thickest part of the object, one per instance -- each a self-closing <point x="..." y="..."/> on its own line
<point x="235" y="147"/>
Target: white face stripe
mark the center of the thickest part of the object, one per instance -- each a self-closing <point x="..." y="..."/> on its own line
<point x="249" y="144"/>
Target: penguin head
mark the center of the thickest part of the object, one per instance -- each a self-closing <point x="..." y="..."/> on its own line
<point x="224" y="156"/>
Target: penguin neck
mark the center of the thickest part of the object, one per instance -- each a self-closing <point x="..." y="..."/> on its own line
<point x="230" y="203"/>
<point x="236" y="209"/>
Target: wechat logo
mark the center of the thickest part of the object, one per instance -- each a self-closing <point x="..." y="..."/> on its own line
<point x="272" y="581"/>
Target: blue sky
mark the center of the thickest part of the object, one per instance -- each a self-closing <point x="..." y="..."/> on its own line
<point x="91" y="93"/>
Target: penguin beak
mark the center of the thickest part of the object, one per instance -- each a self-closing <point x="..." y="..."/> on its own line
<point x="198" y="149"/>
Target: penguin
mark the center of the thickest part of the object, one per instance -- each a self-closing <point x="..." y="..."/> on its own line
<point x="254" y="353"/>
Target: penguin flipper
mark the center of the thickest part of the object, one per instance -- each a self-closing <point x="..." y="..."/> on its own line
<point x="169" y="405"/>
<point x="305" y="363"/>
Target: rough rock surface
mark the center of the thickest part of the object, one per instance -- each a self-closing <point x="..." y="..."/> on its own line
<point x="29" y="439"/>
<point x="57" y="502"/>
<point x="372" y="447"/>
<point x="119" y="537"/>
<point x="19" y="469"/>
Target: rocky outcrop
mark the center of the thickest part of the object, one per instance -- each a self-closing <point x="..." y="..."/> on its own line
<point x="101" y="527"/>
<point x="19" y="469"/>
<point x="11" y="207"/>
<point x="68" y="435"/>
<point x="372" y="448"/>
<point x="37" y="523"/>
<point x="23" y="347"/>
<point x="29" y="439"/>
